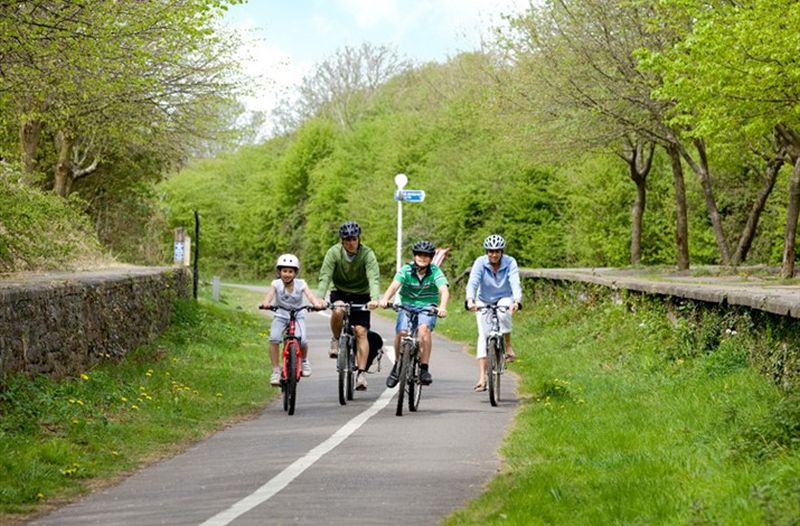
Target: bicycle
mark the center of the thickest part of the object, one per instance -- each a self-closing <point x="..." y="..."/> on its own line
<point x="346" y="359"/>
<point x="292" y="357"/>
<point x="495" y="352"/>
<point x="408" y="367"/>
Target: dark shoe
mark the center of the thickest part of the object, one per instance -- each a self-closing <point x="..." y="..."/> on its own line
<point x="393" y="377"/>
<point x="425" y="378"/>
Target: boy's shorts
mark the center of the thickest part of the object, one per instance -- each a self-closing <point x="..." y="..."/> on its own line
<point x="423" y="319"/>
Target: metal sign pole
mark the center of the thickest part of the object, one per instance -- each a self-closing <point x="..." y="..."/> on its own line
<point x="400" y="180"/>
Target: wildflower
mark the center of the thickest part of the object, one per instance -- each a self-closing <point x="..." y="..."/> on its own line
<point x="84" y="376"/>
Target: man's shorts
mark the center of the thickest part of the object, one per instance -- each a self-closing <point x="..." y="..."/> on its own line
<point x="423" y="319"/>
<point x="357" y="316"/>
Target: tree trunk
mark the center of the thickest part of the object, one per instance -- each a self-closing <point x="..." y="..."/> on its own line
<point x="681" y="226"/>
<point x="29" y="134"/>
<point x="637" y="214"/>
<point x="639" y="165"/>
<point x="704" y="174"/>
<point x="749" y="232"/>
<point x="63" y="180"/>
<point x="792" y="212"/>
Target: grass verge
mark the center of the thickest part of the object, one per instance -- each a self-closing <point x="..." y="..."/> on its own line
<point x="629" y="415"/>
<point x="60" y="438"/>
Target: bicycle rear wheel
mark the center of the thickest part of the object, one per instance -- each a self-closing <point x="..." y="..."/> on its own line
<point x="290" y="393"/>
<point x="492" y="376"/>
<point x="414" y="385"/>
<point x="405" y="362"/>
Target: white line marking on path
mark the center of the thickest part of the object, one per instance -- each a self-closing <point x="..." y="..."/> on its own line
<point x="282" y="479"/>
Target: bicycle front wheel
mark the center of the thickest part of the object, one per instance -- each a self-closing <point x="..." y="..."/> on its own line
<point x="492" y="370"/>
<point x="343" y="368"/>
<point x="351" y="369"/>
<point x="406" y="349"/>
<point x="290" y="393"/>
<point x="414" y="385"/>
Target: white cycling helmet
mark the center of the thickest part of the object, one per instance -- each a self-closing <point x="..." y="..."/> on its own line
<point x="494" y="242"/>
<point x="288" y="260"/>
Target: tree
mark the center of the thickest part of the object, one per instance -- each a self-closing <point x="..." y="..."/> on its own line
<point x="578" y="78"/>
<point x="342" y="87"/>
<point x="736" y="77"/>
<point x="106" y="75"/>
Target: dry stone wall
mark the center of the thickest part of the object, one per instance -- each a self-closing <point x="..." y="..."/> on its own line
<point x="61" y="324"/>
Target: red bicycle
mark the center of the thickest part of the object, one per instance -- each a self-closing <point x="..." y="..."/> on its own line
<point x="292" y="357"/>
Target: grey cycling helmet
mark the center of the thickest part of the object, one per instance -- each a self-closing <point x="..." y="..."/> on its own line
<point x="424" y="247"/>
<point x="494" y="242"/>
<point x="349" y="229"/>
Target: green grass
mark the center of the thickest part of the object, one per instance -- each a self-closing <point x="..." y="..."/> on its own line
<point x="58" y="437"/>
<point x="624" y="420"/>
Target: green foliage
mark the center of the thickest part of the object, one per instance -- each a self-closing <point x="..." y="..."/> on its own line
<point x="42" y="231"/>
<point x="636" y="411"/>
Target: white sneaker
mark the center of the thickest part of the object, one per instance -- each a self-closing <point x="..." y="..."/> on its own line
<point x="305" y="368"/>
<point x="275" y="379"/>
<point x="361" y="381"/>
<point x="334" y="351"/>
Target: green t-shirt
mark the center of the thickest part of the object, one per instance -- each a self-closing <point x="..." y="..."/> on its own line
<point x="361" y="275"/>
<point x="420" y="292"/>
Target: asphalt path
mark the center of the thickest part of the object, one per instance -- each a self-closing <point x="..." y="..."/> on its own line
<point x="326" y="464"/>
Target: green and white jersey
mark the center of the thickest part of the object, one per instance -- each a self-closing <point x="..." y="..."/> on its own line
<point x="416" y="291"/>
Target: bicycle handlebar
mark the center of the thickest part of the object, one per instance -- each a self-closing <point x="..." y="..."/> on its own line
<point x="489" y="306"/>
<point x="275" y="308"/>
<point x="351" y="306"/>
<point x="397" y="307"/>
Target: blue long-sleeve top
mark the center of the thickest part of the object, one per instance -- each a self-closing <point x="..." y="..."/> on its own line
<point x="490" y="286"/>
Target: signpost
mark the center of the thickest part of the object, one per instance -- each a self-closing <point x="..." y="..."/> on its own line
<point x="409" y="196"/>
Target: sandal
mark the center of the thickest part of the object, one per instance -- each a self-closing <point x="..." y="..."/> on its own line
<point x="510" y="356"/>
<point x="479" y="388"/>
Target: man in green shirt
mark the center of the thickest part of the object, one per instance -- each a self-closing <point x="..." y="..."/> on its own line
<point x="421" y="283"/>
<point x="351" y="271"/>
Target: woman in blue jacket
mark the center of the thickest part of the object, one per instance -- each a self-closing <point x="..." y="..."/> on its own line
<point x="494" y="278"/>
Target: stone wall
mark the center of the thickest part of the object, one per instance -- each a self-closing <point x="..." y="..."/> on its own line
<point x="61" y="324"/>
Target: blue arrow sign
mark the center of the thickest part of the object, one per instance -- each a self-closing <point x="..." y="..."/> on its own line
<point x="410" y="196"/>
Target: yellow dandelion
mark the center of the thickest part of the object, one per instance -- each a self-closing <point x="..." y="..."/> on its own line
<point x="84" y="376"/>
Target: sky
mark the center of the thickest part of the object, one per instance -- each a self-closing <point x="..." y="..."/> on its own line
<point x="286" y="38"/>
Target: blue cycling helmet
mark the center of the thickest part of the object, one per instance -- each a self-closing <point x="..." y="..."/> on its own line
<point x="424" y="247"/>
<point x="349" y="229"/>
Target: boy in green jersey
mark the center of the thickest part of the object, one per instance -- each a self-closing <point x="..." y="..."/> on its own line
<point x="421" y="283"/>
